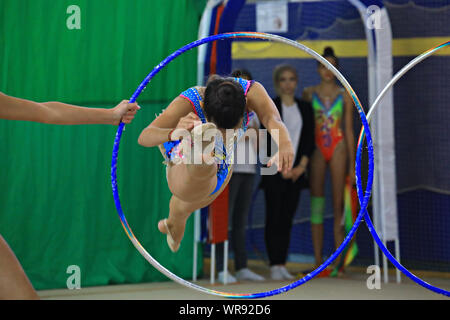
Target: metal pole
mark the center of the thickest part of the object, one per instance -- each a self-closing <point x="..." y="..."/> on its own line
<point x="225" y="262"/>
<point x="397" y="256"/>
<point x="213" y="263"/>
<point x="196" y="240"/>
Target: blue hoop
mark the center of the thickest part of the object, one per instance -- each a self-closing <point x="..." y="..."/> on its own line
<point x="369" y="224"/>
<point x="365" y="198"/>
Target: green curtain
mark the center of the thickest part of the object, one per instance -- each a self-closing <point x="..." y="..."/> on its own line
<point x="56" y="205"/>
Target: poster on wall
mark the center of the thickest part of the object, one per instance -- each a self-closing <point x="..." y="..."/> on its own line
<point x="272" y="17"/>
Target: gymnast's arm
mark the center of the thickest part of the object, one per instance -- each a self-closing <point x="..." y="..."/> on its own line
<point x="177" y="115"/>
<point x="12" y="108"/>
<point x="260" y="102"/>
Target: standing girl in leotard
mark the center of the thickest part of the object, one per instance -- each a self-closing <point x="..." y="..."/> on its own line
<point x="207" y="112"/>
<point x="333" y="113"/>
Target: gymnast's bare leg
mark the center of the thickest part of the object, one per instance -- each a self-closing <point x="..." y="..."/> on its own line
<point x="191" y="186"/>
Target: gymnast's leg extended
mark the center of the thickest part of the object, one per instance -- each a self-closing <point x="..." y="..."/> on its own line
<point x="190" y="193"/>
<point x="192" y="186"/>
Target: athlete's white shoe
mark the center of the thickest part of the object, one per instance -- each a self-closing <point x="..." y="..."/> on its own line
<point x="247" y="274"/>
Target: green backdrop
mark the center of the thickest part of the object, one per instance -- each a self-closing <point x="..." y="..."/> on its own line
<point x="56" y="205"/>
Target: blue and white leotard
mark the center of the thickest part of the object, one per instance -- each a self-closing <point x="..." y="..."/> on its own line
<point x="226" y="158"/>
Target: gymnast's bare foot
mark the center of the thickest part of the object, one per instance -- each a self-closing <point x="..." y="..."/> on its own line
<point x="174" y="232"/>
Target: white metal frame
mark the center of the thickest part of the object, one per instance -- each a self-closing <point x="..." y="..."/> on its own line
<point x="376" y="39"/>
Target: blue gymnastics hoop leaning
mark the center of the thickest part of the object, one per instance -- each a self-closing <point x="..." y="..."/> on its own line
<point x="365" y="197"/>
<point x="372" y="230"/>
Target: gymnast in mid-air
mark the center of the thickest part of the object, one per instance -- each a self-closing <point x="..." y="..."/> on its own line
<point x="199" y="164"/>
<point x="14" y="284"/>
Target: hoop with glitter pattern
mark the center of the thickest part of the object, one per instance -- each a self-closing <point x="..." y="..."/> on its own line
<point x="372" y="230"/>
<point x="365" y="197"/>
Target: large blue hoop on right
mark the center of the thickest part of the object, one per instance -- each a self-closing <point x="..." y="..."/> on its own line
<point x="372" y="230"/>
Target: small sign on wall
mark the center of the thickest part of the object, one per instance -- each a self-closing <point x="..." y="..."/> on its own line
<point x="272" y="17"/>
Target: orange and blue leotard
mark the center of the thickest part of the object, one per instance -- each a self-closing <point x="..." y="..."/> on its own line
<point x="225" y="159"/>
<point x="328" y="132"/>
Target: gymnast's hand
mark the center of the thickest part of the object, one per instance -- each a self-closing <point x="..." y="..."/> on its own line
<point x="186" y="123"/>
<point x="284" y="158"/>
<point x="124" y="112"/>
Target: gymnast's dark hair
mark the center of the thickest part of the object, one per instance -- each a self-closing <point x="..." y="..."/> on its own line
<point x="224" y="102"/>
<point x="242" y="73"/>
<point x="328" y="52"/>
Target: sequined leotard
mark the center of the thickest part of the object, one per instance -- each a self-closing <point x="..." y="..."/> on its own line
<point x="223" y="159"/>
<point x="328" y="132"/>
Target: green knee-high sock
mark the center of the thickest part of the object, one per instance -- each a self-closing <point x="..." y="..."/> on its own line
<point x="317" y="209"/>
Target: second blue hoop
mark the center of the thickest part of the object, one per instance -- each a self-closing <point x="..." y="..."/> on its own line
<point x="368" y="221"/>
